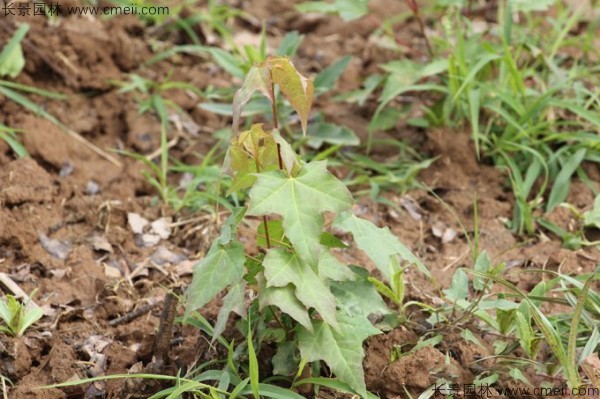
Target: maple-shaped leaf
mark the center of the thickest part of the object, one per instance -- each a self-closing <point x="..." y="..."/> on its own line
<point x="332" y="269"/>
<point x="298" y="90"/>
<point x="283" y="268"/>
<point x="232" y="302"/>
<point x="342" y="350"/>
<point x="359" y="297"/>
<point x="285" y="299"/>
<point x="378" y="243"/>
<point x="222" y="267"/>
<point x="257" y="79"/>
<point x="301" y="201"/>
<point x="250" y="152"/>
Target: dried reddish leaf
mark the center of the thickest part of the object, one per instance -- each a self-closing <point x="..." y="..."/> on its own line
<point x="298" y="90"/>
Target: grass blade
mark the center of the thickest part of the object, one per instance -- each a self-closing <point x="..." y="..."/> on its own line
<point x="474" y="107"/>
<point x="550" y="333"/>
<point x="575" y="321"/>
<point x="253" y="364"/>
<point x="560" y="188"/>
<point x="7" y="135"/>
<point x="33" y="90"/>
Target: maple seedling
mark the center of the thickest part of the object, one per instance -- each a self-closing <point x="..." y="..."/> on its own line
<point x="309" y="304"/>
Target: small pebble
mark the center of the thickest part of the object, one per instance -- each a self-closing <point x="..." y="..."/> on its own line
<point x="66" y="169"/>
<point x="92" y="188"/>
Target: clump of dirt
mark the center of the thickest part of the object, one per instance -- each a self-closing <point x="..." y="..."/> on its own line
<point x="24" y="181"/>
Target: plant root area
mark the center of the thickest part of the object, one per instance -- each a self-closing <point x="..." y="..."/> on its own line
<point x="87" y="237"/>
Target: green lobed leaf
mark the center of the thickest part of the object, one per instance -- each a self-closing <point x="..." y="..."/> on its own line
<point x="301" y="201"/>
<point x="332" y="269"/>
<point x="229" y="228"/>
<point x="222" y="266"/>
<point x="285" y="299"/>
<point x="276" y="234"/>
<point x="233" y="302"/>
<point x="298" y="90"/>
<point x="378" y="243"/>
<point x="358" y="298"/>
<point x="342" y="350"/>
<point x="329" y="240"/>
<point x="283" y="268"/>
<point x="286" y="360"/>
<point x="459" y="288"/>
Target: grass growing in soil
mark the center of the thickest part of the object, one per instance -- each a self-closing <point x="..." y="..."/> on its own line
<point x="530" y="109"/>
<point x="307" y="282"/>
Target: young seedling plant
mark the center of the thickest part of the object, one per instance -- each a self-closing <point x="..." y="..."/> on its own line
<point x="303" y="300"/>
<point x="17" y="317"/>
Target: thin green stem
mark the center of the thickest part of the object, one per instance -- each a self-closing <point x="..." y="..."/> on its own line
<point x="264" y="218"/>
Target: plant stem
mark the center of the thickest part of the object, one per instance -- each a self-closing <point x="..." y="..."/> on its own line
<point x="414" y="7"/>
<point x="267" y="237"/>
<point x="422" y="28"/>
<point x="279" y="158"/>
<point x="264" y="218"/>
<point x="275" y="122"/>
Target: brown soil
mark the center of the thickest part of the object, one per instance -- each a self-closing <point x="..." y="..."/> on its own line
<point x="64" y="212"/>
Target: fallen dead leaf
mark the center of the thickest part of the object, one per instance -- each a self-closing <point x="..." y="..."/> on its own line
<point x="112" y="272"/>
<point x="445" y="234"/>
<point x="163" y="256"/>
<point x="449" y="235"/>
<point x="162" y="227"/>
<point x="591" y="367"/>
<point x="136" y="223"/>
<point x="185" y="268"/>
<point x="100" y="243"/>
<point x="411" y="207"/>
<point x="56" y="248"/>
